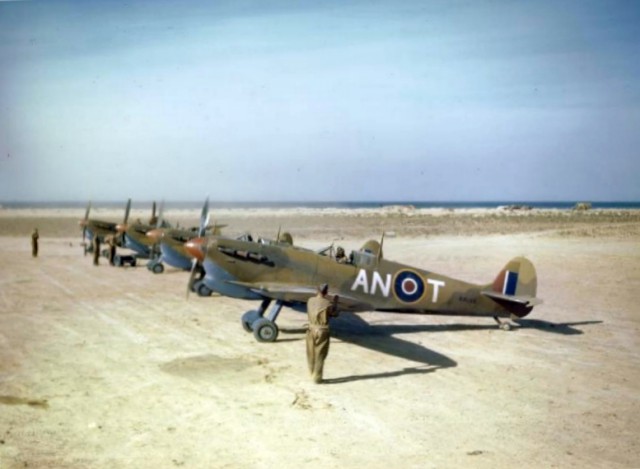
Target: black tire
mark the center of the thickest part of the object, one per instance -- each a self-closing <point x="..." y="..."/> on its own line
<point x="203" y="290"/>
<point x="157" y="268"/>
<point x="265" y="330"/>
<point x="248" y="319"/>
<point x="133" y="262"/>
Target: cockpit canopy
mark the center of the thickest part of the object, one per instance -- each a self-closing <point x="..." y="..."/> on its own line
<point x="283" y="238"/>
<point x="369" y="254"/>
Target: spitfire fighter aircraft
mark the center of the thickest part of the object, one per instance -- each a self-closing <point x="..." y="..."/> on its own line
<point x="130" y="236"/>
<point x="134" y="236"/>
<point x="170" y="242"/>
<point x="100" y="228"/>
<point x="287" y="275"/>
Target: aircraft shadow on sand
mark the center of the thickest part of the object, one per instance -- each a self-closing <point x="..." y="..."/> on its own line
<point x="355" y="330"/>
<point x="564" y="328"/>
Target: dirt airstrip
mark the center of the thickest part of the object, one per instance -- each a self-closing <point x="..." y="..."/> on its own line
<point x="104" y="367"/>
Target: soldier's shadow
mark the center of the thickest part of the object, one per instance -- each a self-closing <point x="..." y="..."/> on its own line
<point x="355" y="330"/>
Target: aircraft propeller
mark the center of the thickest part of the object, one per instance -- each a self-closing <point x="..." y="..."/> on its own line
<point x="153" y="213"/>
<point x="198" y="247"/>
<point x="160" y="213"/>
<point x="156" y="233"/>
<point x="121" y="228"/>
<point x="83" y="223"/>
<point x="204" y="218"/>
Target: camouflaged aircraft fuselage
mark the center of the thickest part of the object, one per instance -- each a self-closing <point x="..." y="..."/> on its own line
<point x="368" y="282"/>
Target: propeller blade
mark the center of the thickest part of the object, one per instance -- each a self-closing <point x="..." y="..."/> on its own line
<point x="86" y="213"/>
<point x="127" y="210"/>
<point x="153" y="210"/>
<point x="192" y="275"/>
<point x="83" y="223"/>
<point x="204" y="218"/>
<point x="160" y="214"/>
<point x="278" y="235"/>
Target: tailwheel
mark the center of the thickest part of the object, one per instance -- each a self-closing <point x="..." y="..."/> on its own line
<point x="505" y="326"/>
<point x="265" y="330"/>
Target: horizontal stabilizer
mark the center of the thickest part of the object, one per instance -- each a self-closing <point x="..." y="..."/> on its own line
<point x="520" y="299"/>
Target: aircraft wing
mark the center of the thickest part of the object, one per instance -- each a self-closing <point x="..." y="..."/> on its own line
<point x="300" y="294"/>
<point x="523" y="300"/>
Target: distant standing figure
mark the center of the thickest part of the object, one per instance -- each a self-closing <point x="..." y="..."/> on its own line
<point x="319" y="310"/>
<point x="112" y="250"/>
<point x="96" y="249"/>
<point x="34" y="242"/>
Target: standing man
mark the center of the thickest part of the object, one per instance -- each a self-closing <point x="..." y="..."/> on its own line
<point x="34" y="242"/>
<point x="112" y="249"/>
<point x="96" y="249"/>
<point x="319" y="309"/>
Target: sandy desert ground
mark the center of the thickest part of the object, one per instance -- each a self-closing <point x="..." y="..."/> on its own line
<point x="104" y="367"/>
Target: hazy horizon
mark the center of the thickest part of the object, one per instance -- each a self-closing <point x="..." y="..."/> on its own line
<point x="318" y="203"/>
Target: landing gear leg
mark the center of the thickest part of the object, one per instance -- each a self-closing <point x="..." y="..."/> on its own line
<point x="264" y="328"/>
<point x="505" y="326"/>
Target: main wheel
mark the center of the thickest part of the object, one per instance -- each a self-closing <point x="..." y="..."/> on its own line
<point x="265" y="330"/>
<point x="248" y="319"/>
<point x="133" y="262"/>
<point x="203" y="290"/>
<point x="157" y="268"/>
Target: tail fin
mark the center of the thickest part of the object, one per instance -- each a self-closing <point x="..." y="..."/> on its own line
<point x="515" y="287"/>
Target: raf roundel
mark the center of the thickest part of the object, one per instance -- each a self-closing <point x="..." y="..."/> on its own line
<point x="408" y="286"/>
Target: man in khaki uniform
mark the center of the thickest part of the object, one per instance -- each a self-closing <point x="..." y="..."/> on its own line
<point x="96" y="250"/>
<point x="319" y="309"/>
<point x="34" y="242"/>
<point x="111" y="241"/>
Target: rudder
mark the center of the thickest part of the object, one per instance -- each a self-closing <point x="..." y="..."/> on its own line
<point x="517" y="278"/>
<point x="515" y="287"/>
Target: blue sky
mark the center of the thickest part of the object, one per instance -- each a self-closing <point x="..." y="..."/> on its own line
<point x="313" y="100"/>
